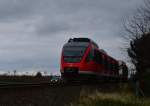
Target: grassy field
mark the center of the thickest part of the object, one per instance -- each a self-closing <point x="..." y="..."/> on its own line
<point x="122" y="97"/>
<point x="104" y="94"/>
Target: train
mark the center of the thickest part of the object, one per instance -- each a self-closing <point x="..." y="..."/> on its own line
<point x="82" y="59"/>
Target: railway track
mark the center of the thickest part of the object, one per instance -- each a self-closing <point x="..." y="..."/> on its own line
<point x="51" y="84"/>
<point x="40" y="84"/>
<point x="16" y="84"/>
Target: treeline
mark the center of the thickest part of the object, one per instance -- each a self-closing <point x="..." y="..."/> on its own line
<point x="25" y="78"/>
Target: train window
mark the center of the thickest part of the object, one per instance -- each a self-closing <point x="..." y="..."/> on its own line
<point x="106" y="63"/>
<point x="73" y="53"/>
<point x="116" y="66"/>
<point x="97" y="56"/>
<point x="111" y="66"/>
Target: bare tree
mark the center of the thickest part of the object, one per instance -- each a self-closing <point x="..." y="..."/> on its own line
<point x="139" y="24"/>
<point x="15" y="71"/>
<point x="138" y="32"/>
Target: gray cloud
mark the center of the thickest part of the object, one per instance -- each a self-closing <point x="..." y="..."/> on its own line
<point x="51" y="27"/>
<point x="32" y="32"/>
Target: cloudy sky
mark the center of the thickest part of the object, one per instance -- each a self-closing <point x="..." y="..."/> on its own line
<point x="32" y="32"/>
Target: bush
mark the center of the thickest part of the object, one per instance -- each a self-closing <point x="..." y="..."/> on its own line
<point x="38" y="74"/>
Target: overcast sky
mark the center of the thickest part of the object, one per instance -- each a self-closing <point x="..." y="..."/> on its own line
<point x="32" y="32"/>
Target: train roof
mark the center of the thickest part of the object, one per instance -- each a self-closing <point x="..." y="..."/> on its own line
<point x="79" y="40"/>
<point x="85" y="44"/>
<point x="87" y="40"/>
<point x="103" y="51"/>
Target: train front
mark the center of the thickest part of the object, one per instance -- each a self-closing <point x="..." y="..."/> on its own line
<point x="72" y="59"/>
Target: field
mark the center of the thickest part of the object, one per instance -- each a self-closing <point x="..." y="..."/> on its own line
<point x="115" y="98"/>
<point x="102" y="94"/>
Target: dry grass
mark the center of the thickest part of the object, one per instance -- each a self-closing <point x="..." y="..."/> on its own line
<point x="116" y="98"/>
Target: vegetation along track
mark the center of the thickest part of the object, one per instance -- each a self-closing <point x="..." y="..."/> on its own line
<point x="48" y="94"/>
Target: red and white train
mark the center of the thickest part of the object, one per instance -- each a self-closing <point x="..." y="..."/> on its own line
<point x="81" y="58"/>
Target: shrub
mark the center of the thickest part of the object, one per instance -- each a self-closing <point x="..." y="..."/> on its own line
<point x="38" y="74"/>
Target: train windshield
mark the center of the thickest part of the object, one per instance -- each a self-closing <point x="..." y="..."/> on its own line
<point x="73" y="53"/>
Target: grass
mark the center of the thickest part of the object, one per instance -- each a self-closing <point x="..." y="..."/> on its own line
<point x="116" y="98"/>
<point x="146" y="85"/>
<point x="111" y="99"/>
